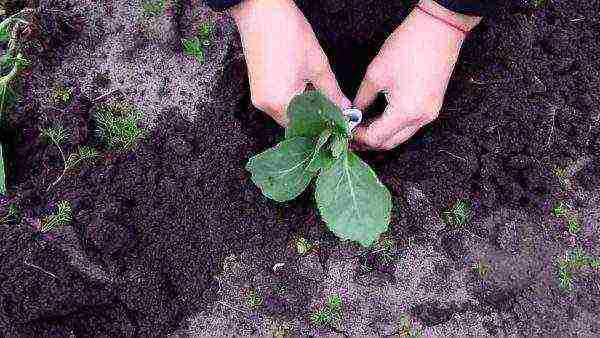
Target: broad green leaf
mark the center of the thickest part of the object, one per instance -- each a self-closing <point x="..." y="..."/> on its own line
<point x="339" y="146"/>
<point x="311" y="113"/>
<point x="281" y="172"/>
<point x="352" y="201"/>
<point x="316" y="163"/>
<point x="2" y="175"/>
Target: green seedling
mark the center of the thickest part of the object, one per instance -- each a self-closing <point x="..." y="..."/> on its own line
<point x="154" y="7"/>
<point x="482" y="269"/>
<point x="62" y="95"/>
<point x="193" y="47"/>
<point x="253" y="299"/>
<point x="573" y="225"/>
<point x="205" y="33"/>
<point x="119" y="126"/>
<point x="458" y="215"/>
<point x="61" y="217"/>
<point x="303" y="246"/>
<point x="330" y="312"/>
<point x="407" y="329"/>
<point x="58" y="135"/>
<point x="350" y="198"/>
<point x="560" y="209"/>
<point x="12" y="62"/>
<point x="574" y="261"/>
<point x="11" y="214"/>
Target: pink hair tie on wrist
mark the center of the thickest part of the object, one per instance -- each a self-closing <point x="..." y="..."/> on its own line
<point x="451" y="24"/>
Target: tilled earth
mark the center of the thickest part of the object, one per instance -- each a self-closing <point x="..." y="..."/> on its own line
<point x="172" y="238"/>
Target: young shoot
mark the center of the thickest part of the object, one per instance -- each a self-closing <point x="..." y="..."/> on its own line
<point x="119" y="126"/>
<point x="61" y="217"/>
<point x="154" y="7"/>
<point x="58" y="135"/>
<point x="330" y="312"/>
<point x="253" y="299"/>
<point x="62" y="95"/>
<point x="458" y="215"/>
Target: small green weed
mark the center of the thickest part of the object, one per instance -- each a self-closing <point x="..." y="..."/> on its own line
<point x="57" y="135"/>
<point x="61" y="217"/>
<point x="195" y="46"/>
<point x="303" y="246"/>
<point x="540" y="3"/>
<point x="573" y="261"/>
<point x="459" y="214"/>
<point x="573" y="225"/>
<point x="407" y="329"/>
<point x="332" y="311"/>
<point x="62" y="95"/>
<point x="482" y="269"/>
<point x="560" y="209"/>
<point x="119" y="125"/>
<point x="568" y="215"/>
<point x="253" y="299"/>
<point x="154" y="7"/>
<point x="10" y="214"/>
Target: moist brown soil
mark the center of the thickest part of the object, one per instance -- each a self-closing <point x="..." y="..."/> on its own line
<point x="160" y="220"/>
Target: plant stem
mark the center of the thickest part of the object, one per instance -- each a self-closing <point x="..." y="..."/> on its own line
<point x="104" y="96"/>
<point x="472" y="80"/>
<point x="456" y="156"/>
<point x="62" y="154"/>
<point x="39" y="268"/>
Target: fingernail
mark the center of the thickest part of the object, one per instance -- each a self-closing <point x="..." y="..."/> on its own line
<point x="346" y="103"/>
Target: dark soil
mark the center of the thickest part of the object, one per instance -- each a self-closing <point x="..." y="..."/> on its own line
<point x="159" y="221"/>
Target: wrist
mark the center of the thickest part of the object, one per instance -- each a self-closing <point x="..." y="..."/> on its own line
<point x="453" y="19"/>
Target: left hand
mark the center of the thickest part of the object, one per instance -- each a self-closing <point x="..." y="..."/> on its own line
<point x="413" y="68"/>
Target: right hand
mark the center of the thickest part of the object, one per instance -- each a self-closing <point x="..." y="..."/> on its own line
<point x="282" y="54"/>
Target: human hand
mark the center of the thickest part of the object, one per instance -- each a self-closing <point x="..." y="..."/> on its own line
<point x="413" y="69"/>
<point x="282" y="55"/>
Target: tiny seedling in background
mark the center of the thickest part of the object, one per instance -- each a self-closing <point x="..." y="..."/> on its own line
<point x="482" y="269"/>
<point x="61" y="217"/>
<point x="303" y="246"/>
<point x="119" y="126"/>
<point x="563" y="177"/>
<point x="573" y="261"/>
<point x="58" y="135"/>
<point x="560" y="209"/>
<point x="193" y="47"/>
<point x="253" y="299"/>
<point x="407" y="328"/>
<point x="9" y="212"/>
<point x="573" y="225"/>
<point x="330" y="312"/>
<point x="205" y="33"/>
<point x="154" y="7"/>
<point x="62" y="95"/>
<point x="458" y="215"/>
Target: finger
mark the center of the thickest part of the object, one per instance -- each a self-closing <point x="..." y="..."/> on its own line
<point x="391" y="122"/>
<point x="367" y="93"/>
<point x="327" y="84"/>
<point x="401" y="137"/>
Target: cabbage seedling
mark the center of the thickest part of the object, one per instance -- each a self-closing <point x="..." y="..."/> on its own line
<point x="350" y="198"/>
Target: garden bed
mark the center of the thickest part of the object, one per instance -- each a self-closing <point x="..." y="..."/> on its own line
<point x="171" y="237"/>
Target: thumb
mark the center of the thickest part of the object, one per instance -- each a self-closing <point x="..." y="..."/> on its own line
<point x="328" y="85"/>
<point x="366" y="94"/>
